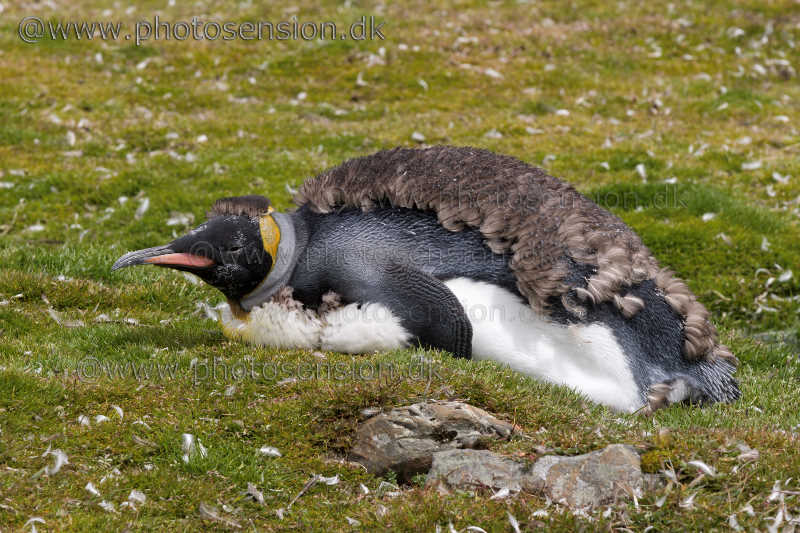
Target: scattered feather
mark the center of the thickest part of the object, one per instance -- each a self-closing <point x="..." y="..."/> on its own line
<point x="115" y="473"/>
<point x="191" y="447"/>
<point x="776" y="522"/>
<point x="708" y="216"/>
<point x="254" y="493"/>
<point x="117" y="409"/>
<point x="59" y="460"/>
<point x="144" y="205"/>
<point x="363" y="488"/>
<point x="492" y="73"/>
<point x="417" y="137"/>
<point x="642" y="171"/>
<point x="785" y="276"/>
<point x="332" y="480"/>
<point x="724" y="238"/>
<point x="751" y="165"/>
<point x="32" y="521"/>
<point x="765" y="244"/>
<point x="137" y="496"/>
<point x="107" y="506"/>
<point x="733" y="523"/>
<point x="513" y="521"/>
<point x="688" y="503"/>
<point x="660" y="501"/>
<point x="270" y="451"/>
<point x="83" y="420"/>
<point x="209" y="512"/>
<point x="781" y="179"/>
<point x="703" y="467"/>
<point x="180" y="219"/>
<point x="476" y="529"/>
<point x="501" y="494"/>
<point x="775" y="495"/>
<point x="56" y="316"/>
<point x="91" y="489"/>
<point x="142" y="423"/>
<point x="310" y="483"/>
<point x="99" y="419"/>
<point x="352" y="521"/>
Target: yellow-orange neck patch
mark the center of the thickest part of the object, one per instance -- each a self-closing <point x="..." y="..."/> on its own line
<point x="270" y="236"/>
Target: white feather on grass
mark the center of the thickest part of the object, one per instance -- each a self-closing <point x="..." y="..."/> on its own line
<point x="270" y="451"/>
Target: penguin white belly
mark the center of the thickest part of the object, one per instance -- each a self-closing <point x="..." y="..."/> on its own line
<point x="586" y="358"/>
<point x="505" y="329"/>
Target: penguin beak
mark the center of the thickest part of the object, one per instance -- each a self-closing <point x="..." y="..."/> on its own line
<point x="162" y="256"/>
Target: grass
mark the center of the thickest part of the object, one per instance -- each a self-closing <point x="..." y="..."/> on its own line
<point x="686" y="94"/>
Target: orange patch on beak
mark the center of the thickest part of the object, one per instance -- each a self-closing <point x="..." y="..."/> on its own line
<point x="187" y="260"/>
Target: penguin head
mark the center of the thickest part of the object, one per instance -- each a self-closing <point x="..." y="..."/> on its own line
<point x="233" y="251"/>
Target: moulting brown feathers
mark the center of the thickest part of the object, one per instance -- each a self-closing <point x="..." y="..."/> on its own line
<point x="542" y="221"/>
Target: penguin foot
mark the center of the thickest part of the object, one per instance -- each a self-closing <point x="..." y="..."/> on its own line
<point x="661" y="395"/>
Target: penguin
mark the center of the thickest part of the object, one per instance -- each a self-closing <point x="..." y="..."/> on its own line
<point x="466" y="251"/>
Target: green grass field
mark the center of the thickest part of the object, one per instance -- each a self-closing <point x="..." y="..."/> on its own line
<point x="680" y="117"/>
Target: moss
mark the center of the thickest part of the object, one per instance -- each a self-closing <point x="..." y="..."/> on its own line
<point x="591" y="58"/>
<point x="655" y="461"/>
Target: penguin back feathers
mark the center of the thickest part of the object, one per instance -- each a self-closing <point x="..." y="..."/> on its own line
<point x="544" y="222"/>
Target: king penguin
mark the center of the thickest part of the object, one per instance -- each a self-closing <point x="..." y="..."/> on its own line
<point x="391" y="274"/>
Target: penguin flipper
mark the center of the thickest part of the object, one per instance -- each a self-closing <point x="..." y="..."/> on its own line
<point x="426" y="307"/>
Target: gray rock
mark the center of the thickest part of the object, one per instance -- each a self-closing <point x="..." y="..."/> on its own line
<point x="405" y="439"/>
<point x="475" y="469"/>
<point x="580" y="482"/>
<point x="589" y="480"/>
<point x="443" y="439"/>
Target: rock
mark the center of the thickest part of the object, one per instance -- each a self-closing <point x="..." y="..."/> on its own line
<point x="475" y="469"/>
<point x="444" y="439"/>
<point x="589" y="480"/>
<point x="580" y="482"/>
<point x="405" y="439"/>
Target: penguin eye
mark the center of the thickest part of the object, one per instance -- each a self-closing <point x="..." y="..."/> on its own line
<point x="234" y="249"/>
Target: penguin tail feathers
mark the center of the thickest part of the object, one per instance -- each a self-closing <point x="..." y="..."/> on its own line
<point x="711" y="381"/>
<point x="716" y="383"/>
